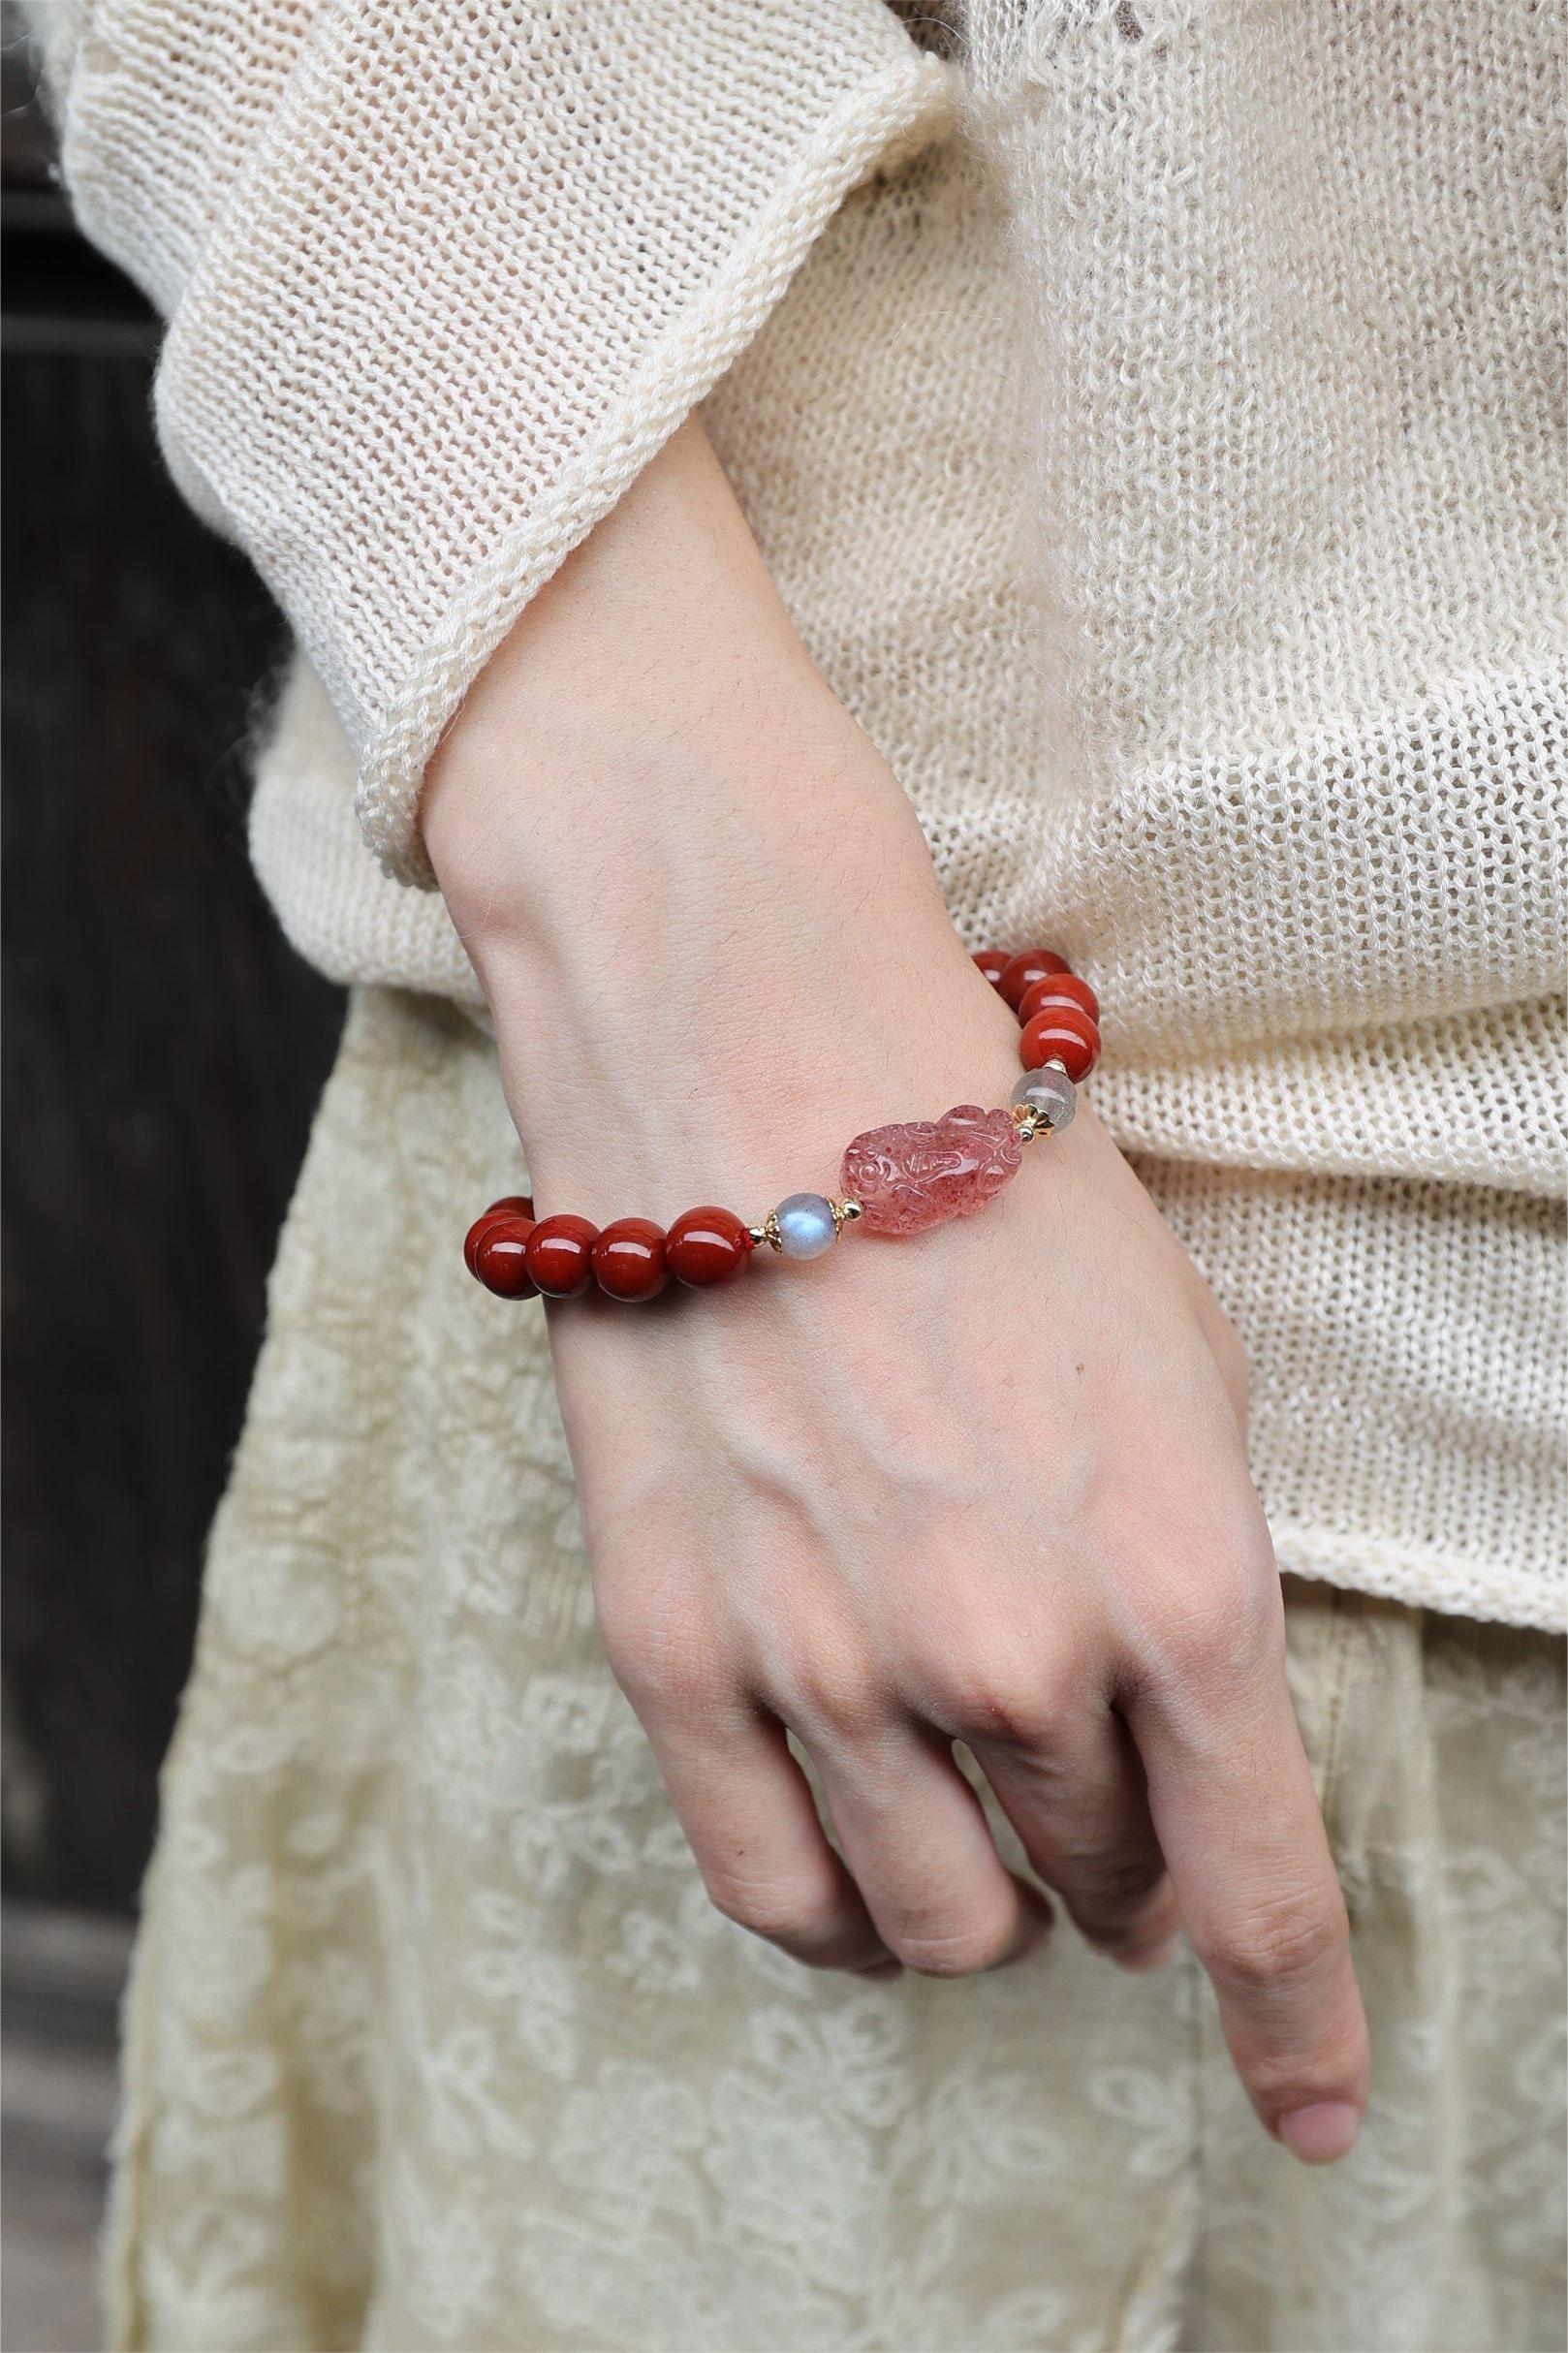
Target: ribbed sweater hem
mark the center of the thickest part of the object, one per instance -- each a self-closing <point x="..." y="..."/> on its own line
<point x="1421" y="1576"/>
<point x="885" y="116"/>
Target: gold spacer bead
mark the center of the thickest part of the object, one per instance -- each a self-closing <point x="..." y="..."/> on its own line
<point x="845" y="1213"/>
<point x="1030" y="1122"/>
<point x="768" y="1232"/>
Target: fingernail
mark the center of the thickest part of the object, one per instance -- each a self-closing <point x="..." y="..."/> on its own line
<point x="1321" y="2133"/>
<point x="879" y="1969"/>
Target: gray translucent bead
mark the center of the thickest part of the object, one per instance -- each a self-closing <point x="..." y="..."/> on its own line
<point x="1049" y="1091"/>
<point x="806" y="1226"/>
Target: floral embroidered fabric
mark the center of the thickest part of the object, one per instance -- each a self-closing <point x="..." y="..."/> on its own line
<point x="435" y="2041"/>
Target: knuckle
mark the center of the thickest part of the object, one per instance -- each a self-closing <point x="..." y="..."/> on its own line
<point x="666" y="1663"/>
<point x="785" y="1911"/>
<point x="1005" y="1714"/>
<point x="838" y="1698"/>
<point x="1010" y="1695"/>
<point x="1212" y="1631"/>
<point x="961" y="1952"/>
<point x="1194" y="1642"/>
<point x="1276" y="1948"/>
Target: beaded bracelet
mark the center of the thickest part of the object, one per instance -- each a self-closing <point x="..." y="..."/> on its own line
<point x="896" y="1179"/>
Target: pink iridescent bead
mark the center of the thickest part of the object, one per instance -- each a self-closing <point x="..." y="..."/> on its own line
<point x="922" y="1172"/>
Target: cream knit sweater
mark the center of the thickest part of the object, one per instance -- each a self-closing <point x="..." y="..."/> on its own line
<point x="1154" y="422"/>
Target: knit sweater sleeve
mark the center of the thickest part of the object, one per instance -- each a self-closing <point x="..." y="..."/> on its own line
<point x="442" y="276"/>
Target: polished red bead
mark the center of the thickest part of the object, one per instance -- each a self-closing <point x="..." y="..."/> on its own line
<point x="1062" y="988"/>
<point x="629" y="1260"/>
<point x="1021" y="972"/>
<point x="501" y="1257"/>
<point x="707" y="1246"/>
<point x="475" y="1235"/>
<point x="515" y="1204"/>
<point x="1064" y="1034"/>
<point x="993" y="962"/>
<point x="561" y="1255"/>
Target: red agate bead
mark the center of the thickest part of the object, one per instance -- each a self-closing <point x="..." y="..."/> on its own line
<point x="1064" y="1034"/>
<point x="706" y="1245"/>
<point x="993" y="962"/>
<point x="1062" y="989"/>
<point x="1021" y="972"/>
<point x="559" y="1255"/>
<point x="628" y="1259"/>
<point x="515" y="1205"/>
<point x="501" y="1257"/>
<point x="475" y="1235"/>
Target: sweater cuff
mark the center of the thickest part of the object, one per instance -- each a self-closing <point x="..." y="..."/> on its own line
<point x="479" y="271"/>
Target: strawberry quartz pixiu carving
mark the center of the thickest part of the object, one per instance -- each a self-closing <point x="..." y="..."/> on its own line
<point x="920" y="1173"/>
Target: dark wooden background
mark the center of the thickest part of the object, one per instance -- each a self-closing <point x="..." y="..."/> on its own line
<point x="164" y="1049"/>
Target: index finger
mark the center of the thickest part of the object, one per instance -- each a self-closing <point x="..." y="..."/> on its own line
<point x="1237" y="1819"/>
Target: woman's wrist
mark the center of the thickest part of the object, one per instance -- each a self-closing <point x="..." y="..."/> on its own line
<point x="719" y="1019"/>
<point x="700" y="903"/>
<point x="654" y="688"/>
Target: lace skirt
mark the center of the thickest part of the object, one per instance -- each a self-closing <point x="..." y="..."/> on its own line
<point x="433" y="2039"/>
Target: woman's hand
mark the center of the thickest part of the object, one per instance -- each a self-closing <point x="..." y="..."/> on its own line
<point x="987" y="1486"/>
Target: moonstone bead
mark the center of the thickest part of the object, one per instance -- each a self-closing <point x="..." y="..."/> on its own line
<point x="806" y="1226"/>
<point x="1049" y="1091"/>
